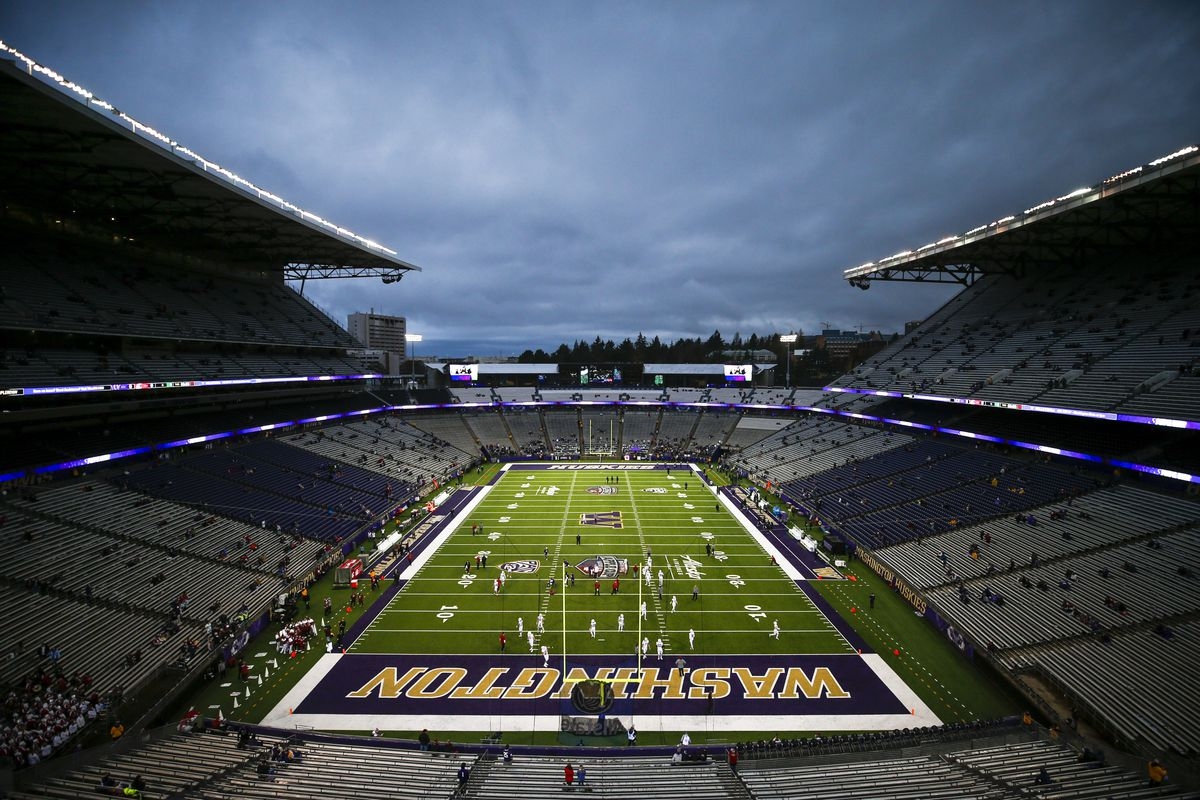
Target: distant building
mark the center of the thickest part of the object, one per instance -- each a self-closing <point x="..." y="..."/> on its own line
<point x="849" y="344"/>
<point x="379" y="331"/>
<point x="383" y="338"/>
<point x="760" y="356"/>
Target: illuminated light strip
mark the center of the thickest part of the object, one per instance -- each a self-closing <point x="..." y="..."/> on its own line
<point x="855" y="272"/>
<point x="1172" y="156"/>
<point x="211" y="437"/>
<point x="168" y="143"/>
<point x="90" y="460"/>
<point x="186" y="384"/>
<point x="1041" y="448"/>
<point x="1082" y="413"/>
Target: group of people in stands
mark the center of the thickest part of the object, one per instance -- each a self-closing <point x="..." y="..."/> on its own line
<point x="43" y="712"/>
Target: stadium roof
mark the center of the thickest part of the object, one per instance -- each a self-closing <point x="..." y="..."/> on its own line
<point x="69" y="157"/>
<point x="1139" y="208"/>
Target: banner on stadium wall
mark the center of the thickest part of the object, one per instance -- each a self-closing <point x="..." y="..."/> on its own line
<point x="953" y="634"/>
<point x="902" y="588"/>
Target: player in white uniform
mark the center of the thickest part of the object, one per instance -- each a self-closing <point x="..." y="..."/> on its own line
<point x="692" y="638"/>
<point x="520" y="626"/>
<point x="645" y="646"/>
<point x="674" y="602"/>
<point x="545" y="656"/>
<point x="659" y="646"/>
<point x="529" y="637"/>
<point x="541" y="623"/>
<point x="620" y="623"/>
<point x="592" y="628"/>
<point x="774" y="629"/>
<point x="643" y="609"/>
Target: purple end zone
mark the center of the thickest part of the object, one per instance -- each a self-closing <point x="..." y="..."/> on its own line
<point x="518" y="684"/>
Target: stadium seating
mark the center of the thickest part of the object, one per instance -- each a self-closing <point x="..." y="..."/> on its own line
<point x="1108" y="338"/>
<point x="72" y="288"/>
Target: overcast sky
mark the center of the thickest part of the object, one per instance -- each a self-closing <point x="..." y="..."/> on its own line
<point x="563" y="170"/>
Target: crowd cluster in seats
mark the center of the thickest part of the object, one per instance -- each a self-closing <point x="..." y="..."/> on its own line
<point x="43" y="711"/>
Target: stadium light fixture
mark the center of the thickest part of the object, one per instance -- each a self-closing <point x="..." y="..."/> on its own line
<point x="789" y="339"/>
<point x="413" y="338"/>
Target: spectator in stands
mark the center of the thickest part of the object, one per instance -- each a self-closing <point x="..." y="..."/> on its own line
<point x="506" y="756"/>
<point x="423" y="739"/>
<point x="463" y="775"/>
<point x="568" y="775"/>
<point x="117" y="730"/>
<point x="1156" y="772"/>
<point x="1043" y="777"/>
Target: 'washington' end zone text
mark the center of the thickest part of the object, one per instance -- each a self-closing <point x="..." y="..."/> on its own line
<point x="529" y="683"/>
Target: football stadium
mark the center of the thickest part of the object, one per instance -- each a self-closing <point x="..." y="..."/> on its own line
<point x="246" y="562"/>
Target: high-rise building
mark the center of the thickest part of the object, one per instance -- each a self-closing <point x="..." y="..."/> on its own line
<point x="379" y="331"/>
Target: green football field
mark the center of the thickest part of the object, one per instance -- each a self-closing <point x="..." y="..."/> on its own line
<point x="545" y="523"/>
<point x="430" y="653"/>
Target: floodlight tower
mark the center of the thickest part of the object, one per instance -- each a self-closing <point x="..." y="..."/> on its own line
<point x="412" y="338"/>
<point x="789" y="339"/>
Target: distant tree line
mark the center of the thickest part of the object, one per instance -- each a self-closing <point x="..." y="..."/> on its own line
<point x="640" y="350"/>
<point x="812" y="364"/>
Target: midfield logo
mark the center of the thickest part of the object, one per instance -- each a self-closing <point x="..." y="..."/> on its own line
<point x="603" y="566"/>
<point x="528" y="566"/>
<point x="602" y="490"/>
<point x="605" y="519"/>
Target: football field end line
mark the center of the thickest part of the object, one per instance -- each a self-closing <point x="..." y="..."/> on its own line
<point x="281" y="714"/>
<point x="667" y="723"/>
<point x="900" y="689"/>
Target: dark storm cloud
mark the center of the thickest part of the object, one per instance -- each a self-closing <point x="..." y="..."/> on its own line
<point x="568" y="170"/>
